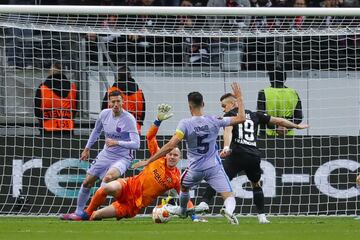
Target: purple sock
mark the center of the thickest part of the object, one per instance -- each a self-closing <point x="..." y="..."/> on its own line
<point x="83" y="197"/>
<point x="184" y="199"/>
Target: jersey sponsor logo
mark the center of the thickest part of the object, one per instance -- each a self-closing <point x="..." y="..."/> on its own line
<point x="202" y="129"/>
<point x="161" y="181"/>
<point x="118" y="128"/>
<point x="113" y="136"/>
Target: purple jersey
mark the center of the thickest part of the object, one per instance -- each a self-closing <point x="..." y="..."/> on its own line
<point x="122" y="128"/>
<point x="201" y="133"/>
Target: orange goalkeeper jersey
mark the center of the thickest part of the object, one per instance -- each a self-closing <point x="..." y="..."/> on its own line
<point x="156" y="178"/>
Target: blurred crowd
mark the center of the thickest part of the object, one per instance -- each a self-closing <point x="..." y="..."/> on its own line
<point x="212" y="3"/>
<point x="139" y="49"/>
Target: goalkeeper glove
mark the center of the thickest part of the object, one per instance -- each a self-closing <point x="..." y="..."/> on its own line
<point x="164" y="112"/>
<point x="165" y="201"/>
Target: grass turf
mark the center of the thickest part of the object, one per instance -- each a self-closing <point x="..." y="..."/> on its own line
<point x="304" y="228"/>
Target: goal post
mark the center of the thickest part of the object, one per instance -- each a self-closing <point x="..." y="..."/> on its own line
<point x="170" y="52"/>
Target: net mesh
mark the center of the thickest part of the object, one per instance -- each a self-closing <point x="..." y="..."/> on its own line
<point x="312" y="172"/>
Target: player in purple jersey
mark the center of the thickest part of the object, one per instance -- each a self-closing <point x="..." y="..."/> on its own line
<point x="201" y="132"/>
<point x="121" y="139"/>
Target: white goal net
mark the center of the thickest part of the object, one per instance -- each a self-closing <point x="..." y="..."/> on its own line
<point x="171" y="52"/>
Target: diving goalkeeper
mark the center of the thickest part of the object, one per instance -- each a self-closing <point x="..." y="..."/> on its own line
<point x="141" y="190"/>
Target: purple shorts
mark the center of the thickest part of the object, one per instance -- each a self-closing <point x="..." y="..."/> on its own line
<point x="100" y="167"/>
<point x="214" y="176"/>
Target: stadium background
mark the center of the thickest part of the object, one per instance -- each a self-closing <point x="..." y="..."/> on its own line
<point x="313" y="173"/>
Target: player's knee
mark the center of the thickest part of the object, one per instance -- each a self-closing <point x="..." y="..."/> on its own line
<point x="88" y="183"/>
<point x="96" y="216"/>
<point x="256" y="184"/>
<point x="226" y="195"/>
<point x="112" y="188"/>
<point x="108" y="178"/>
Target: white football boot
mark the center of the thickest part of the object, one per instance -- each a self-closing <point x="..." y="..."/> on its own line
<point x="262" y="219"/>
<point x="230" y="217"/>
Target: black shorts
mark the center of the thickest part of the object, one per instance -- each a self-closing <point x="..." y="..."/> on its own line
<point x="242" y="161"/>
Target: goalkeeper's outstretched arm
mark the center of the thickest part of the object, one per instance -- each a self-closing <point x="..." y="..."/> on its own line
<point x="162" y="115"/>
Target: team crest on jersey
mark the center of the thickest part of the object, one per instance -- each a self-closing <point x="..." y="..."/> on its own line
<point x="118" y="128"/>
<point x="169" y="180"/>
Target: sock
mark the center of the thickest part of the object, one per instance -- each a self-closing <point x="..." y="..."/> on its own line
<point x="96" y="201"/>
<point x="190" y="204"/>
<point x="83" y="197"/>
<point x="230" y="203"/>
<point x="258" y="196"/>
<point x="184" y="199"/>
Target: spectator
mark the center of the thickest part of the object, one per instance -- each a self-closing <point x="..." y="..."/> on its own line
<point x="330" y="20"/>
<point x="261" y="3"/>
<point x="332" y="3"/>
<point x="56" y="104"/>
<point x="299" y="20"/>
<point x="129" y="48"/>
<point x="279" y="101"/>
<point x="170" y="2"/>
<point x="351" y="3"/>
<point x="194" y="48"/>
<point x="220" y="21"/>
<point x="17" y="39"/>
<point x="232" y="48"/>
<point x="132" y="95"/>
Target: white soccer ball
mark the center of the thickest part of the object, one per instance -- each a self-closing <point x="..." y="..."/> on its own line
<point x="160" y="215"/>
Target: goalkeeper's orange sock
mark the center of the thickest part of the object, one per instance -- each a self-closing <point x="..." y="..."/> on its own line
<point x="96" y="201"/>
<point x="190" y="205"/>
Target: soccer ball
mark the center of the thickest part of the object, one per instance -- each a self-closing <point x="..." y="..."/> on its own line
<point x="160" y="215"/>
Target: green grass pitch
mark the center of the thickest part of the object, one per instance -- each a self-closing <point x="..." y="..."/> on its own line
<point x="287" y="228"/>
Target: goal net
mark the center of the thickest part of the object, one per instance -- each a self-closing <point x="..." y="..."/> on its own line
<point x="171" y="52"/>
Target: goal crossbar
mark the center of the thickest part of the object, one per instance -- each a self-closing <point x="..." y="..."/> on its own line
<point x="170" y="11"/>
<point x="170" y="21"/>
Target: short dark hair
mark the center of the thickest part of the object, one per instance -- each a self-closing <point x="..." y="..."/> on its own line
<point x="124" y="73"/>
<point x="124" y="68"/>
<point x="114" y="93"/>
<point x="196" y="99"/>
<point x="56" y="65"/>
<point x="226" y="95"/>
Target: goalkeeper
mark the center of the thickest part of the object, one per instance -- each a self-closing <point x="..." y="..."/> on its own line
<point x="139" y="191"/>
